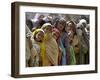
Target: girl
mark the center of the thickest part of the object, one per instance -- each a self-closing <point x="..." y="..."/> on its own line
<point x="37" y="41"/>
<point x="74" y="43"/>
<point x="51" y="55"/>
<point x="63" y="40"/>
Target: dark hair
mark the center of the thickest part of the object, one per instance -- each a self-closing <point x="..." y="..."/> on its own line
<point x="29" y="24"/>
<point x="86" y="17"/>
<point x="39" y="23"/>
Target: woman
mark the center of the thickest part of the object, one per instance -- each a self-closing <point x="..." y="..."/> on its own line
<point x="84" y="37"/>
<point x="51" y="55"/>
<point x="74" y="43"/>
<point x="37" y="48"/>
<point x="63" y="40"/>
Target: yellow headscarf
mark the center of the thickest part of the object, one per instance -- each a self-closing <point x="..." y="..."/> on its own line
<point x="47" y="35"/>
<point x="36" y="31"/>
<point x="42" y="47"/>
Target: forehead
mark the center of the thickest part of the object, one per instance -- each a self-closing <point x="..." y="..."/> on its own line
<point x="40" y="32"/>
<point x="48" y="27"/>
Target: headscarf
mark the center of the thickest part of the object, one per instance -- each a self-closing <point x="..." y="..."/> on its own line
<point x="51" y="46"/>
<point x="47" y="35"/>
<point x="36" y="31"/>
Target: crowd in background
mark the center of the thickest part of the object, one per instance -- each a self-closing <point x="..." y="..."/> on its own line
<point x="55" y="41"/>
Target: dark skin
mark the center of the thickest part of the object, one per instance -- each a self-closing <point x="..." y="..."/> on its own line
<point x="60" y="26"/>
<point x="39" y="36"/>
<point x="48" y="29"/>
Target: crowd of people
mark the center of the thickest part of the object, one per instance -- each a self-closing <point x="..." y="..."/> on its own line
<point x="56" y="42"/>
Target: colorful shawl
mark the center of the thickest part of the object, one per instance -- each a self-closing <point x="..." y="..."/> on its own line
<point x="63" y="61"/>
<point x="52" y="51"/>
<point x="72" y="56"/>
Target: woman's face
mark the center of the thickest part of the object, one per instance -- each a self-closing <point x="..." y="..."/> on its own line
<point x="55" y="35"/>
<point x="67" y="29"/>
<point x="60" y="26"/>
<point x="39" y="36"/>
<point x="70" y="36"/>
<point x="48" y="29"/>
<point x="70" y="33"/>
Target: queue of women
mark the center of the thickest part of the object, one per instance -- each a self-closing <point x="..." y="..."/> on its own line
<point x="61" y="43"/>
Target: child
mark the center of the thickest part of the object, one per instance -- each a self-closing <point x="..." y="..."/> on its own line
<point x="51" y="46"/>
<point x="60" y="25"/>
<point x="37" y="40"/>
